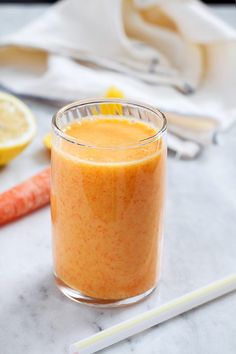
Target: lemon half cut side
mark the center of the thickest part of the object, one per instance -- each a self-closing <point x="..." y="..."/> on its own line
<point x="17" y="127"/>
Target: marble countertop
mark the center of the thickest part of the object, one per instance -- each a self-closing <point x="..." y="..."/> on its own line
<point x="199" y="247"/>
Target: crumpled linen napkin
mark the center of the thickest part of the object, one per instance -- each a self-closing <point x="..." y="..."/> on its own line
<point x="172" y="54"/>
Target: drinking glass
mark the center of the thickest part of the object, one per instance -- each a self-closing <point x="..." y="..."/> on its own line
<point x="107" y="206"/>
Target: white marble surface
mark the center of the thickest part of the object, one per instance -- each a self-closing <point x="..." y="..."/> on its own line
<point x="199" y="247"/>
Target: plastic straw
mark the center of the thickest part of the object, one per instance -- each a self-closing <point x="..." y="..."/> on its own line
<point x="155" y="316"/>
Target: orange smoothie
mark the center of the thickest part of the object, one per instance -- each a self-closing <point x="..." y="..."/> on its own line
<point x="107" y="207"/>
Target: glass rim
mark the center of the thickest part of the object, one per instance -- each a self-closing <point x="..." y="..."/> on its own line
<point x="86" y="102"/>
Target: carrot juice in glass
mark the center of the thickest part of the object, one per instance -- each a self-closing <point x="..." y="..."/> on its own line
<point x="107" y="196"/>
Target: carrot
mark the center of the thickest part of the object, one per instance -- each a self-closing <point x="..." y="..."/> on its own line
<point x="25" y="197"/>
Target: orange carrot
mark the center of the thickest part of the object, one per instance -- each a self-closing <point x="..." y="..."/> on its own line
<point x="25" y="197"/>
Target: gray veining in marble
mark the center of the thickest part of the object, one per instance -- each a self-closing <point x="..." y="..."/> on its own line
<point x="199" y="247"/>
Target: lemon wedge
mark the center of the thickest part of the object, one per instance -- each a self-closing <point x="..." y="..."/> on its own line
<point x="47" y="140"/>
<point x="114" y="92"/>
<point x="17" y="127"/>
<point x="114" y="108"/>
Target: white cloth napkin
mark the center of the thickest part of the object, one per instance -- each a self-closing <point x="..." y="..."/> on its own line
<point x="172" y="54"/>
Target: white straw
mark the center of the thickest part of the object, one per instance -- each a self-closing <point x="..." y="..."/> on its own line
<point x="155" y="316"/>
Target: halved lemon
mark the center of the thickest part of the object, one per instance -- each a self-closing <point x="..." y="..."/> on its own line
<point x="17" y="127"/>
